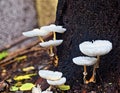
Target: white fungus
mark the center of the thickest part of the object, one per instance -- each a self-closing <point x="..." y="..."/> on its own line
<point x="50" y="75"/>
<point x="36" y="89"/>
<point x="53" y="28"/>
<point x="36" y="32"/>
<point x="95" y="48"/>
<point x="57" y="82"/>
<point x="84" y="60"/>
<point x="51" y="43"/>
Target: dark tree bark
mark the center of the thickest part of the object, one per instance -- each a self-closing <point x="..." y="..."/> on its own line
<point x="87" y="20"/>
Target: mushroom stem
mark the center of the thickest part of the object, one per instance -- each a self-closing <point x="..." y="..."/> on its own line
<point x="49" y="88"/>
<point x="56" y="61"/>
<point x="92" y="79"/>
<point x="51" y="51"/>
<point x="41" y="39"/>
<point x="98" y="62"/>
<point x="85" y="73"/>
<point x="54" y="36"/>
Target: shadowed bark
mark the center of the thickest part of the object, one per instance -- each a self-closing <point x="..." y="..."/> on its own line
<point x="87" y="20"/>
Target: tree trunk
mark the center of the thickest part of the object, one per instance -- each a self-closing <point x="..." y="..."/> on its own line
<point x="87" y="20"/>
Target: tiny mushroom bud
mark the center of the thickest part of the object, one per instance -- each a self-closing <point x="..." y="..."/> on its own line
<point x="57" y="82"/>
<point x="50" y="75"/>
<point x="36" y="89"/>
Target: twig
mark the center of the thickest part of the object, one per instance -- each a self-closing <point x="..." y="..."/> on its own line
<point x="23" y="51"/>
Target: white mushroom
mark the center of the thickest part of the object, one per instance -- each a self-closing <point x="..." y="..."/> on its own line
<point x="57" y="82"/>
<point x="95" y="48"/>
<point x="50" y="75"/>
<point x="53" y="28"/>
<point x="36" y="89"/>
<point x="50" y="44"/>
<point x="85" y="61"/>
<point x="36" y="32"/>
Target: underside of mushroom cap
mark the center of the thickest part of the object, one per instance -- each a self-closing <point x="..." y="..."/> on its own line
<point x="57" y="82"/>
<point x="36" y="32"/>
<point x="51" y="43"/>
<point x="50" y="75"/>
<point x="84" y="60"/>
<point x="96" y="48"/>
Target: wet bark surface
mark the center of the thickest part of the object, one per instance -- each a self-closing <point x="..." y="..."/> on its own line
<point x="87" y="20"/>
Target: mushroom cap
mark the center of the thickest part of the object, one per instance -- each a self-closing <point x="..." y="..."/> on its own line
<point x="50" y="75"/>
<point x="53" y="28"/>
<point x="36" y="32"/>
<point x="57" y="82"/>
<point x="84" y="60"/>
<point x="96" y="48"/>
<point x="51" y="43"/>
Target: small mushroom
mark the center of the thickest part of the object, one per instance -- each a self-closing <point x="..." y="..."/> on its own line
<point x="85" y="61"/>
<point x="36" y="32"/>
<point x="50" y="44"/>
<point x="95" y="48"/>
<point x="54" y="28"/>
<point x="50" y="75"/>
<point x="61" y="81"/>
<point x="37" y="89"/>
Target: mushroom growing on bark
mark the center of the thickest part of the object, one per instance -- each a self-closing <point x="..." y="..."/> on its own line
<point x="54" y="28"/>
<point x="51" y="44"/>
<point x="95" y="48"/>
<point x="84" y="61"/>
<point x="36" y="32"/>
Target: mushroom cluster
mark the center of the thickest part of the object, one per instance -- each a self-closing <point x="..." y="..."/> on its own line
<point x="54" y="78"/>
<point x="93" y="49"/>
<point x="43" y="31"/>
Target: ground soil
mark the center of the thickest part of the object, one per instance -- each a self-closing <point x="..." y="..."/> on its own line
<point x="39" y="58"/>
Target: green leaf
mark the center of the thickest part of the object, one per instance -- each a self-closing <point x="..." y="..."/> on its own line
<point x="14" y="88"/>
<point x="28" y="68"/>
<point x="64" y="87"/>
<point x="26" y="86"/>
<point x="3" y="54"/>
<point x="22" y="77"/>
<point x="18" y="78"/>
